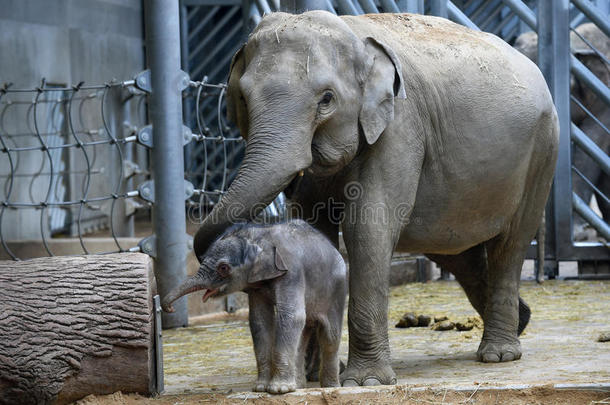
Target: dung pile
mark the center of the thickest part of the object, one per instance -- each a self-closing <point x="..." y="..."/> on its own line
<point x="441" y="322"/>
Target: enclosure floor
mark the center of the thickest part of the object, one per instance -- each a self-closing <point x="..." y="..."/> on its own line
<point x="559" y="345"/>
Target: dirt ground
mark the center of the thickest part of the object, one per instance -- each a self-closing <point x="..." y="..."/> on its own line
<point x="214" y="363"/>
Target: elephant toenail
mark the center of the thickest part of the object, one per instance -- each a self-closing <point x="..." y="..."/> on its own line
<point x="350" y="382"/>
<point x="371" y="381"/>
<point x="491" y="358"/>
<point x="508" y="357"/>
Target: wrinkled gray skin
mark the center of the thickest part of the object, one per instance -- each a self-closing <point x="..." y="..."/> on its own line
<point x="527" y="43"/>
<point x="444" y="139"/>
<point x="297" y="285"/>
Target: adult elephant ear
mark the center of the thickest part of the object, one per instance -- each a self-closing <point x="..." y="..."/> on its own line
<point x="236" y="107"/>
<point x="269" y="265"/>
<point x="382" y="82"/>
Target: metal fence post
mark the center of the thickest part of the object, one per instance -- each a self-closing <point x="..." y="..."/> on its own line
<point x="554" y="62"/>
<point x="167" y="82"/>
<point x="412" y="6"/>
<point x="300" y="6"/>
<point x="439" y="8"/>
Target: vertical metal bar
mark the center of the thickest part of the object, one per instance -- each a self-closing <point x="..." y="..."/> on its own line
<point x="184" y="61"/>
<point x="439" y="8"/>
<point x="127" y="222"/>
<point x="163" y="56"/>
<point x="369" y="6"/>
<point x="288" y="6"/>
<point x="554" y="62"/>
<point x="159" y="376"/>
<point x="245" y="16"/>
<point x="414" y="6"/>
<point x="389" y="6"/>
<point x="300" y="6"/>
<point x="422" y="275"/>
<point x="347" y="7"/>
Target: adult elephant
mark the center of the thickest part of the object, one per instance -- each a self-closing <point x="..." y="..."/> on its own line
<point x="527" y="43"/>
<point x="443" y="139"/>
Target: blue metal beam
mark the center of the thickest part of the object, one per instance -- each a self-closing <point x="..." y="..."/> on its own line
<point x="554" y="62"/>
<point x="590" y="216"/>
<point x="439" y="8"/>
<point x="590" y="10"/>
<point x="346" y="7"/>
<point x="523" y="11"/>
<point x="585" y="75"/>
<point x="455" y="14"/>
<point x="590" y="148"/>
<point x="368" y="6"/>
<point x="389" y="6"/>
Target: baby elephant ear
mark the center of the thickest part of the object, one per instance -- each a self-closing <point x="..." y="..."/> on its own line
<point x="267" y="267"/>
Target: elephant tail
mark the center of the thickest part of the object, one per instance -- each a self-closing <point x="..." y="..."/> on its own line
<point x="524" y="315"/>
<point x="540" y="241"/>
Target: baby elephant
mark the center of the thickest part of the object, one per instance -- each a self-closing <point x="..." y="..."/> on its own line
<point x="296" y="285"/>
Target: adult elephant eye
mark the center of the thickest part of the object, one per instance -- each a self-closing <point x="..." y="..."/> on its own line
<point x="328" y="96"/>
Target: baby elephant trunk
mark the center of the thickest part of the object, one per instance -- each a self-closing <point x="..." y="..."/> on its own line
<point x="191" y="284"/>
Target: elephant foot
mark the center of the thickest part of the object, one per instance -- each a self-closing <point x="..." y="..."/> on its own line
<point x="495" y="352"/>
<point x="279" y="386"/>
<point x="372" y="375"/>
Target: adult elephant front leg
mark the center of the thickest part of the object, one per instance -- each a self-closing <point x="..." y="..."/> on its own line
<point x="370" y="232"/>
<point x="369" y="247"/>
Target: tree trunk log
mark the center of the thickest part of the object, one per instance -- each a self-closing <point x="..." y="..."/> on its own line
<point x="74" y="326"/>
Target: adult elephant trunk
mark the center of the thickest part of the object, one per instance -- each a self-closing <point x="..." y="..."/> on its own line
<point x="191" y="284"/>
<point x="271" y="162"/>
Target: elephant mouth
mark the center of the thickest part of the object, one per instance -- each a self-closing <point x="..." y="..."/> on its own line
<point x="209" y="293"/>
<point x="294" y="184"/>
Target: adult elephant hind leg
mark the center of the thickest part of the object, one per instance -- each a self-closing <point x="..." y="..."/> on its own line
<point x="505" y="314"/>
<point x="501" y="315"/>
<point x="506" y="252"/>
<point x="469" y="269"/>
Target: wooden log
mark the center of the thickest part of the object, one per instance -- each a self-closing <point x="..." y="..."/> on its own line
<point x="74" y="326"/>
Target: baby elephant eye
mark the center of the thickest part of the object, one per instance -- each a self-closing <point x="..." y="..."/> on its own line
<point x="223" y="269"/>
<point x="326" y="98"/>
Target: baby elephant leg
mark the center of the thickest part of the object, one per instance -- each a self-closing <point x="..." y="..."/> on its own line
<point x="329" y="335"/>
<point x="261" y="318"/>
<point x="289" y="324"/>
<point x="301" y="366"/>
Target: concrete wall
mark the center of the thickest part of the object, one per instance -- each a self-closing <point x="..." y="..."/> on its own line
<point x="65" y="41"/>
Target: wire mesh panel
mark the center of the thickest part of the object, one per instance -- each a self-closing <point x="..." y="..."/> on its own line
<point x="211" y="35"/>
<point x="62" y="162"/>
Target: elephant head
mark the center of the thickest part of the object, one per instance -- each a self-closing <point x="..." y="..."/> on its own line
<point x="232" y="263"/>
<point x="306" y="94"/>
